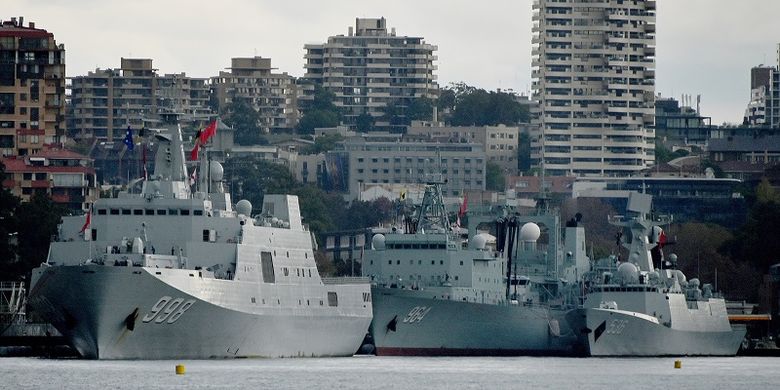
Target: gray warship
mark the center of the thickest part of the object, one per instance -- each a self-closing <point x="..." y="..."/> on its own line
<point x="436" y="293"/>
<point x="632" y="308"/>
<point x="171" y="272"/>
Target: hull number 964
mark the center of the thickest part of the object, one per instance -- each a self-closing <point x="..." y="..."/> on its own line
<point x="168" y="310"/>
<point x="417" y="314"/>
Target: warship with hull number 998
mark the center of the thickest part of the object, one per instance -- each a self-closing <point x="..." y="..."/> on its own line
<point x="169" y="272"/>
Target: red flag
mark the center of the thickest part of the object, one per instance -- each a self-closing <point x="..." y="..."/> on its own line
<point x="661" y="239"/>
<point x="464" y="207"/>
<point x="194" y="152"/>
<point x="208" y="132"/>
<point x="87" y="222"/>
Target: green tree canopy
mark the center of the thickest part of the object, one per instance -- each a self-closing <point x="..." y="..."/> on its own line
<point x="364" y="122"/>
<point x="494" y="177"/>
<point x="472" y="106"/>
<point x="320" y="111"/>
<point x="243" y="118"/>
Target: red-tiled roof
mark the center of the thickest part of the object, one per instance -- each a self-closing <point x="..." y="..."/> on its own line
<point x="15" y="165"/>
<point x="23" y="32"/>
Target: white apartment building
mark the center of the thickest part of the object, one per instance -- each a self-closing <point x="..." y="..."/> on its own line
<point x="764" y="106"/>
<point x="593" y="75"/>
<point x="371" y="68"/>
<point x="272" y="94"/>
<point x="388" y="159"/>
<point x="499" y="142"/>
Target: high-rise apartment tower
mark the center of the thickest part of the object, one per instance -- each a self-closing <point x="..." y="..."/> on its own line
<point x="593" y="75"/>
<point x="371" y="69"/>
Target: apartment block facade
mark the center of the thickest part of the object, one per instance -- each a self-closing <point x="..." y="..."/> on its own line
<point x="499" y="142"/>
<point x="32" y="88"/>
<point x="593" y="74"/>
<point x="67" y="177"/>
<point x="273" y="95"/>
<point x="388" y="159"/>
<point x="104" y="102"/>
<point x="371" y="69"/>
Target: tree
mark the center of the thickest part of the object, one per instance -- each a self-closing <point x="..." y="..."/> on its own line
<point x="477" y="107"/>
<point x="524" y="152"/>
<point x="364" y="122"/>
<point x="319" y="112"/>
<point x="317" y="118"/>
<point x="244" y="120"/>
<point x="494" y="177"/>
<point x="323" y="144"/>
<point x="420" y="109"/>
<point x="8" y="225"/>
<point x="41" y="216"/>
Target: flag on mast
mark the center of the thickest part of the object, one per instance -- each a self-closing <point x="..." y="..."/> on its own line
<point x="128" y="141"/>
<point x="88" y="221"/>
<point x="208" y="132"/>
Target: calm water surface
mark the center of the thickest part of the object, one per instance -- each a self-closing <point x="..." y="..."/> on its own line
<point x="369" y="372"/>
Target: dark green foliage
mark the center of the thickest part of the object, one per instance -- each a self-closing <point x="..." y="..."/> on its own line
<point x="364" y="122"/>
<point x="243" y="118"/>
<point x="323" y="144"/>
<point x="317" y="118"/>
<point x="34" y="224"/>
<point x="470" y="106"/>
<point x="8" y="223"/>
<point x="524" y="152"/>
<point x="319" y="112"/>
<point x="420" y="110"/>
<point x="664" y="155"/>
<point x="494" y="177"/>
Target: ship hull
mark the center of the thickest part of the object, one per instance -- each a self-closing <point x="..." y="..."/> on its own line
<point x="405" y="325"/>
<point x="118" y="313"/>
<point x="605" y="332"/>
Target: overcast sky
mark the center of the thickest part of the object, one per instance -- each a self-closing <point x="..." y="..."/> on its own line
<point x="704" y="47"/>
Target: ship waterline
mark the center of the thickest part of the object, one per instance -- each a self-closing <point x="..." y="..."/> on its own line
<point x="235" y="283"/>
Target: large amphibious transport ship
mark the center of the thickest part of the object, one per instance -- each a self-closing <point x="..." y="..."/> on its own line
<point x="633" y="308"/>
<point x="169" y="272"/>
<point x="436" y="293"/>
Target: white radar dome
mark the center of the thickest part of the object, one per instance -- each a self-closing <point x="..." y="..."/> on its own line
<point x="378" y="242"/>
<point x="530" y="232"/>
<point x="244" y="207"/>
<point x="217" y="172"/>
<point x="478" y="241"/>
<point x="628" y="273"/>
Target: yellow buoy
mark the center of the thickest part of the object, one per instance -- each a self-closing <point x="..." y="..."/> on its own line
<point x="180" y="369"/>
<point x="678" y="364"/>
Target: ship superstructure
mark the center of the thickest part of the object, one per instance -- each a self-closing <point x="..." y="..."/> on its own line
<point x="643" y="305"/>
<point x="436" y="293"/>
<point x="170" y="272"/>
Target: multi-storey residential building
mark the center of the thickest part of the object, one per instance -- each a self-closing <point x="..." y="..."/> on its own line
<point x="593" y="74"/>
<point x="32" y="88"/>
<point x="388" y="159"/>
<point x="764" y="106"/>
<point x="499" y="142"/>
<point x="273" y="95"/>
<point x="370" y="69"/>
<point x="67" y="177"/>
<point x="680" y="123"/>
<point x="104" y="102"/>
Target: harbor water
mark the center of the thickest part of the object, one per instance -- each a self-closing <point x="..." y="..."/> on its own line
<point x="369" y="372"/>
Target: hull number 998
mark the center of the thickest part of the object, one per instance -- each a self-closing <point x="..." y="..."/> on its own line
<point x="168" y="310"/>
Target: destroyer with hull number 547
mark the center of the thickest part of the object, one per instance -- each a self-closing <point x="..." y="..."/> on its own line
<point x="632" y="308"/>
<point x="167" y="272"/>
